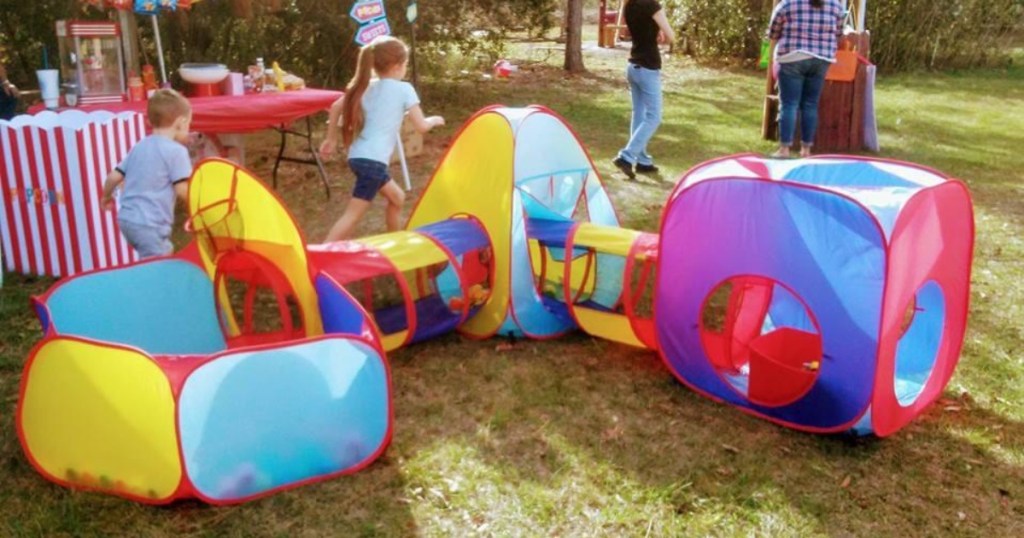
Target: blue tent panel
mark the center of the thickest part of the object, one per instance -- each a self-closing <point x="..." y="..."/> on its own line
<point x="846" y="174"/>
<point x="918" y="349"/>
<point x="552" y="233"/>
<point x="164" y="307"/>
<point x="458" y="235"/>
<point x="255" y="421"/>
<point x="339" y="311"/>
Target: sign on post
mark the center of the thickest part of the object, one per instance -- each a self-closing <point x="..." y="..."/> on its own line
<point x="368" y="32"/>
<point x="367" y="11"/>
<point x="372" y="20"/>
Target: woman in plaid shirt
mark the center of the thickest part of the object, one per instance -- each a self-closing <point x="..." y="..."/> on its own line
<point x="804" y="34"/>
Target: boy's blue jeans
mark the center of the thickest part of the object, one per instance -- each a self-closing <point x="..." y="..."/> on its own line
<point x="645" y="88"/>
<point x="800" y="85"/>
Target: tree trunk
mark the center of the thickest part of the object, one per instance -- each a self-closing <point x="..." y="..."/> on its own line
<point x="242" y="8"/>
<point x="574" y="37"/>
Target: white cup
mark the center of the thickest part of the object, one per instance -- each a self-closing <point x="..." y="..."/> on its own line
<point x="49" y="87"/>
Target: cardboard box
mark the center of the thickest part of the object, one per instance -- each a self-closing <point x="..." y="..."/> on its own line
<point x="412" y="141"/>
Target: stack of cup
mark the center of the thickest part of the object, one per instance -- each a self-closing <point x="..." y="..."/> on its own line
<point x="49" y="87"/>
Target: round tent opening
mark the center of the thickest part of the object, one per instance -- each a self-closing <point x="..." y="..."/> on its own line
<point x="761" y="339"/>
<point x="918" y="347"/>
<point x="256" y="303"/>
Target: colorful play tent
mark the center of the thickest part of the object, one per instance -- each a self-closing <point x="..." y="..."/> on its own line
<point x="165" y="387"/>
<point x="825" y="294"/>
<point x="414" y="284"/>
<point x="505" y="167"/>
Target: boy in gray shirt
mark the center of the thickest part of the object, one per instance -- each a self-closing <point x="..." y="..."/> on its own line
<point x="154" y="173"/>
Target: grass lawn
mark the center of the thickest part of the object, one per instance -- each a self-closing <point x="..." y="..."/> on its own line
<point x="581" y="437"/>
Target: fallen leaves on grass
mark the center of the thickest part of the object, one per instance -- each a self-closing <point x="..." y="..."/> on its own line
<point x="612" y="434"/>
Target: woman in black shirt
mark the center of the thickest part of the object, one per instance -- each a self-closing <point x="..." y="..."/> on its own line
<point x="647" y="25"/>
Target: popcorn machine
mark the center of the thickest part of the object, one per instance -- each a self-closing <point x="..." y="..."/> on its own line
<point x="91" y="60"/>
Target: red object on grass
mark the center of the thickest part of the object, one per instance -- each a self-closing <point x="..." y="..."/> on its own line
<point x="783" y="366"/>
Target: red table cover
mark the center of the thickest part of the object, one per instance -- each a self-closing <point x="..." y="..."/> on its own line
<point x="241" y="113"/>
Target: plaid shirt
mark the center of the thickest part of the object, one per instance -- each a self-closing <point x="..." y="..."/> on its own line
<point x="799" y="27"/>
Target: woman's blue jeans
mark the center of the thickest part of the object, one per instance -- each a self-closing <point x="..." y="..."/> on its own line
<point x="800" y="85"/>
<point x="645" y="88"/>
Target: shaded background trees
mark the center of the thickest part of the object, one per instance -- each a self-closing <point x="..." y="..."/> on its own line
<point x="313" y="38"/>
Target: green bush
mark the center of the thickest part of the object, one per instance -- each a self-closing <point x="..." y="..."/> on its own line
<point x="941" y="35"/>
<point x="25" y="28"/>
<point x="906" y="34"/>
<point x="719" y="29"/>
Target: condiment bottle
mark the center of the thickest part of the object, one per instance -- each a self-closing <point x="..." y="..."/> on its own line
<point x="136" y="92"/>
<point x="258" y="81"/>
<point x="148" y="78"/>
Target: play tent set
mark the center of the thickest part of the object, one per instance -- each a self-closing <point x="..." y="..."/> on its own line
<point x="825" y="294"/>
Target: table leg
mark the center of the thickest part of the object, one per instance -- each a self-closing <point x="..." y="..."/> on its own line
<point x="280" y="152"/>
<point x="308" y="136"/>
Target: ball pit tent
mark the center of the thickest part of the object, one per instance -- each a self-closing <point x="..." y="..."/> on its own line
<point x="152" y="381"/>
<point x="825" y="294"/>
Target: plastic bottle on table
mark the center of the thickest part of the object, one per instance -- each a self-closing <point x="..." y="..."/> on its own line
<point x="257" y="82"/>
<point x="136" y="92"/>
<point x="149" y="78"/>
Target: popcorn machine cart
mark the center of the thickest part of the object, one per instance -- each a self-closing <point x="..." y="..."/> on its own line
<point x="92" y="60"/>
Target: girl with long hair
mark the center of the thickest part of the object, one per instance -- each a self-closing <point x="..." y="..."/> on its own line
<point x="371" y="114"/>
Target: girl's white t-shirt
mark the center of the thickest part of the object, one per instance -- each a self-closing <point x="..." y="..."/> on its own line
<point x="384" y="106"/>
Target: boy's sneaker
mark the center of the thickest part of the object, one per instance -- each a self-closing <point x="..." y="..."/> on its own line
<point x="625" y="167"/>
<point x="646" y="169"/>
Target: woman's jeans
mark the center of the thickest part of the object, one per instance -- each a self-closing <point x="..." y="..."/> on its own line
<point x="645" y="88"/>
<point x="800" y="85"/>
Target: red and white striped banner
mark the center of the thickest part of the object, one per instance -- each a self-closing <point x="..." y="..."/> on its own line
<point x="52" y="168"/>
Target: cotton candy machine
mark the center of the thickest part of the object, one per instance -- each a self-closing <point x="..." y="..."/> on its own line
<point x="203" y="78"/>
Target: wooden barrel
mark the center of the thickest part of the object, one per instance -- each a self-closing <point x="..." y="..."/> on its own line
<point x="840" y="111"/>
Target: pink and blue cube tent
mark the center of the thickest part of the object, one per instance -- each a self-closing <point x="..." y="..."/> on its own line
<point x="826" y="294"/>
<point x="507" y="165"/>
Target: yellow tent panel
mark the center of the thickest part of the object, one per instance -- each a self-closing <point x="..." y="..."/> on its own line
<point x="406" y="250"/>
<point x="253" y="216"/>
<point x="617" y="242"/>
<point x="581" y="274"/>
<point x="476" y="178"/>
<point x="613" y="327"/>
<point x="101" y="417"/>
<point x="611" y="240"/>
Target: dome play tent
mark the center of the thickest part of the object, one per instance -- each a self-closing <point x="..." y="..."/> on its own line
<point x="507" y="165"/>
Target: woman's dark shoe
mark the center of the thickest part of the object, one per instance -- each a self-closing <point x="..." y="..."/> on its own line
<point x="625" y="167"/>
<point x="646" y="169"/>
